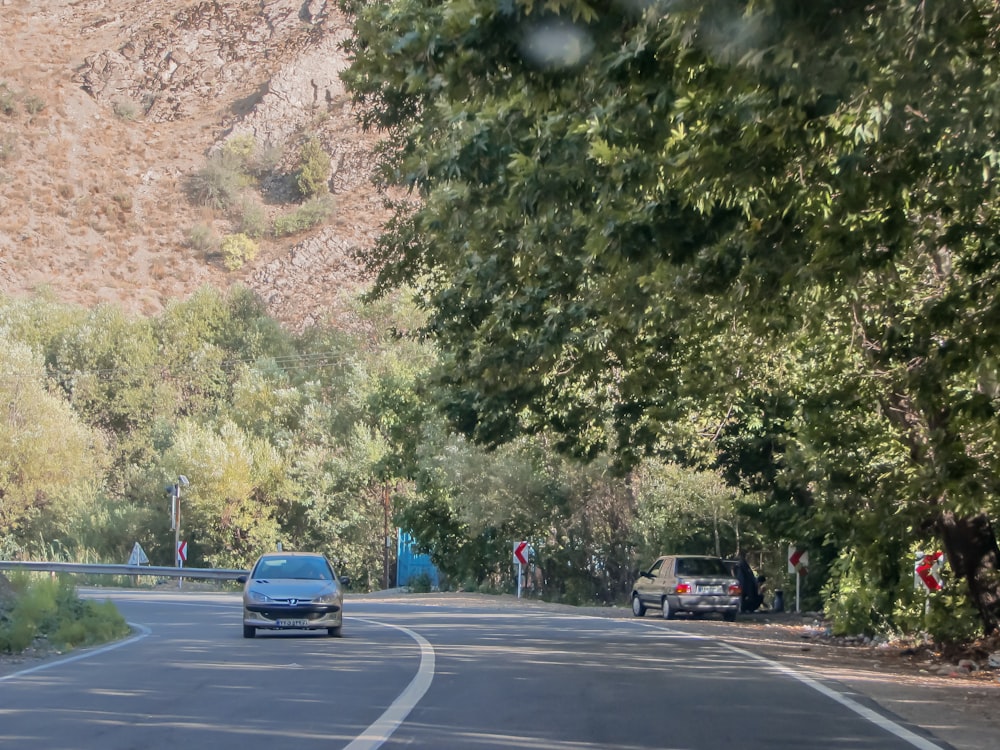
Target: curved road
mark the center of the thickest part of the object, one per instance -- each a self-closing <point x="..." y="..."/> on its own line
<point x="425" y="674"/>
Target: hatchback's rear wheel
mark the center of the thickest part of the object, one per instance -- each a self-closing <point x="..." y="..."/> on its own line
<point x="249" y="631"/>
<point x="638" y="608"/>
<point x="729" y="616"/>
<point x="668" y="614"/>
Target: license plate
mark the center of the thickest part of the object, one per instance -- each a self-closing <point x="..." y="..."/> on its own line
<point x="292" y="623"/>
<point x="708" y="589"/>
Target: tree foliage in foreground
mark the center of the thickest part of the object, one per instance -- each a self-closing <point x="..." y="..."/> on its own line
<point x="49" y="458"/>
<point x="608" y="198"/>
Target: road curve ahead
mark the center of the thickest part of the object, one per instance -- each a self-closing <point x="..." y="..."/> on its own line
<point x="414" y="674"/>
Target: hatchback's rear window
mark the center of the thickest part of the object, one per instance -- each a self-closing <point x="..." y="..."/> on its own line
<point x="700" y="566"/>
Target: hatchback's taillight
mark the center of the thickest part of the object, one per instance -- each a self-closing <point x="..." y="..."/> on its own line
<point x="683" y="588"/>
<point x="735" y="589"/>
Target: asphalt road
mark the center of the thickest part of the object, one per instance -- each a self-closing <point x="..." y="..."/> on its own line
<point x="416" y="675"/>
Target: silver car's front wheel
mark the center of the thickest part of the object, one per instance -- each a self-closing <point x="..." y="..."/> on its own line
<point x="638" y="608"/>
<point x="249" y="631"/>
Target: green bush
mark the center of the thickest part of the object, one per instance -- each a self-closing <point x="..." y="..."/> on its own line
<point x="310" y="214"/>
<point x="249" y="216"/>
<point x="241" y="148"/>
<point x="34" y="104"/>
<point x="251" y="158"/>
<point x="203" y="238"/>
<point x="852" y="600"/>
<point x="8" y="102"/>
<point x="125" y="109"/>
<point x="219" y="183"/>
<point x="313" y="174"/>
<point x="237" y="249"/>
<point x="947" y="616"/>
<point x="420" y="584"/>
<point x="50" y="609"/>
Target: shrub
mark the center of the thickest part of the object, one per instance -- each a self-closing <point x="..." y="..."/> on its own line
<point x="249" y="216"/>
<point x="264" y="160"/>
<point x="123" y="200"/>
<point x="953" y="618"/>
<point x="947" y="616"/>
<point x="313" y="174"/>
<point x="853" y="601"/>
<point x="237" y="249"/>
<point x="125" y="109"/>
<point x="308" y="215"/>
<point x="241" y="147"/>
<point x="202" y="237"/>
<point x="252" y="159"/>
<point x="34" y="104"/>
<point x="50" y="609"/>
<point x="8" y="102"/>
<point x="219" y="183"/>
<point x="8" y="147"/>
<point x="421" y="584"/>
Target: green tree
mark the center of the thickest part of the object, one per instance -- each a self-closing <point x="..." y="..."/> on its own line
<point x="51" y="463"/>
<point x="680" y="510"/>
<point x="227" y="512"/>
<point x="108" y="368"/>
<point x="589" y="223"/>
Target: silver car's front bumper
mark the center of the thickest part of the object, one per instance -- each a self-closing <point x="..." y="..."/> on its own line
<point x="307" y="617"/>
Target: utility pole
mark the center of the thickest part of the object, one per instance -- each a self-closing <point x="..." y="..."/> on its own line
<point x="175" y="522"/>
<point x="385" y="535"/>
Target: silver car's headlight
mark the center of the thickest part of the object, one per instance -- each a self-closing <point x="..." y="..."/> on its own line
<point x="256" y="596"/>
<point x="326" y="599"/>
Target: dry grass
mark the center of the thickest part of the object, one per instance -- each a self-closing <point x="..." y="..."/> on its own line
<point x="92" y="203"/>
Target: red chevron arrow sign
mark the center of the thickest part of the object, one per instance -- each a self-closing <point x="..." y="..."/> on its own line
<point x="521" y="553"/>
<point x="798" y="560"/>
<point x="928" y="570"/>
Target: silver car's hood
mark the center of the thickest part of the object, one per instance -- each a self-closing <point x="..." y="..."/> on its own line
<point x="291" y="588"/>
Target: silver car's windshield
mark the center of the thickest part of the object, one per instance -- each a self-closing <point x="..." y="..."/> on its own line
<point x="306" y="568"/>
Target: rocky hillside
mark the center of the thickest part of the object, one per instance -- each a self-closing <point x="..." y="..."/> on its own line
<point x="109" y="107"/>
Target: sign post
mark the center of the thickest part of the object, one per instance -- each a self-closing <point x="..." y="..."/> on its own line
<point x="138" y="557"/>
<point x="521" y="552"/>
<point x="798" y="564"/>
<point x="182" y="556"/>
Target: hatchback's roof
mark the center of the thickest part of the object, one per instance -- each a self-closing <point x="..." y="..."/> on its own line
<point x="292" y="554"/>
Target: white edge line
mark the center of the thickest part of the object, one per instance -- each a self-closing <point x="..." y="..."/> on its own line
<point x="143" y="632"/>
<point x="866" y="713"/>
<point x="382" y="728"/>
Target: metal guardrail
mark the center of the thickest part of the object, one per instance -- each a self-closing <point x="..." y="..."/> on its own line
<point x="218" y="574"/>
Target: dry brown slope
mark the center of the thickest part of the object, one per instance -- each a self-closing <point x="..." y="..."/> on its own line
<point x="112" y="105"/>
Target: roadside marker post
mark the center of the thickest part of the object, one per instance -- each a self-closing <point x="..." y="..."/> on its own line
<point x="182" y="556"/>
<point x="798" y="564"/>
<point x="521" y="552"/>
